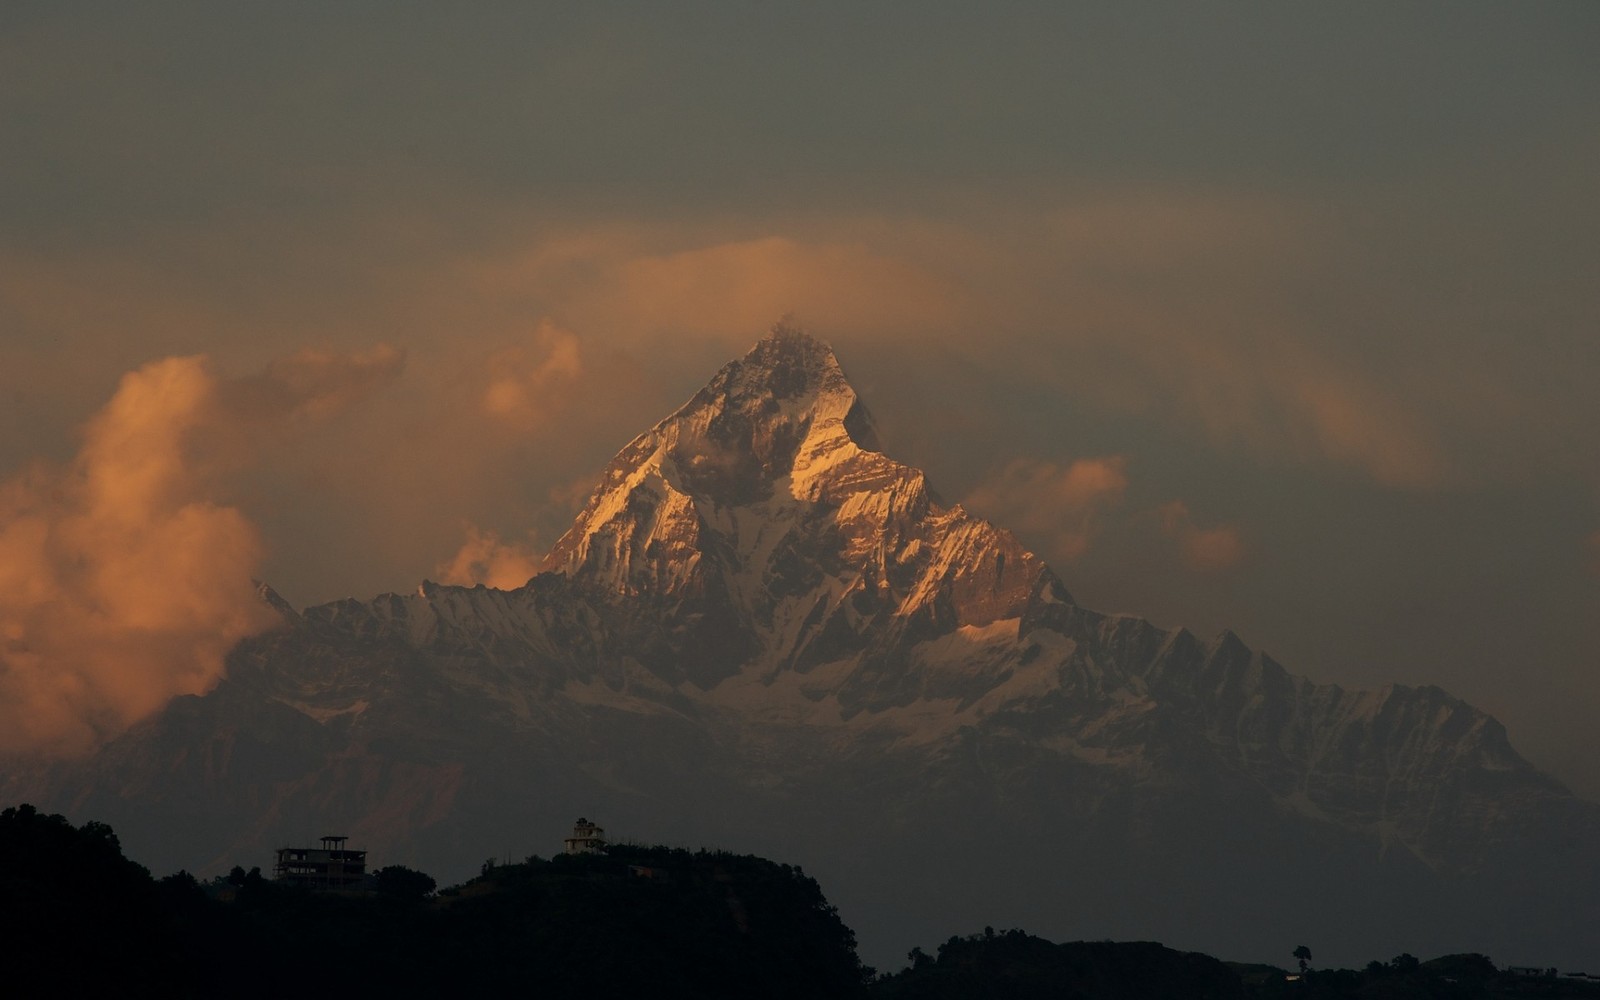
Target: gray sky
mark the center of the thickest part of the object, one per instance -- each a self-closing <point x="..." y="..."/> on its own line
<point x="1275" y="317"/>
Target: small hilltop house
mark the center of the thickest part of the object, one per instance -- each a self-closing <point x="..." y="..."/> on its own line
<point x="587" y="838"/>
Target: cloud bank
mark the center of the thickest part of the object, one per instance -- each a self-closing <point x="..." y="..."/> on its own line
<point x="485" y="559"/>
<point x="1065" y="505"/>
<point x="529" y="382"/>
<point x="1206" y="550"/>
<point x="123" y="581"/>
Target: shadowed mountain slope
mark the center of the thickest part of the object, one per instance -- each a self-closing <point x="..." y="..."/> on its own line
<point x="762" y="630"/>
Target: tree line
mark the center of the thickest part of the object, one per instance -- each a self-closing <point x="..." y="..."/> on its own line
<point x="78" y="918"/>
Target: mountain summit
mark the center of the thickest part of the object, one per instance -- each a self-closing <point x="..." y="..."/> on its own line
<point x="762" y="514"/>
<point x="762" y="632"/>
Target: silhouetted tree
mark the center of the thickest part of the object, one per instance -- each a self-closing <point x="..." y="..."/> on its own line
<point x="62" y="887"/>
<point x="404" y="883"/>
<point x="1013" y="965"/>
<point x="78" y="919"/>
<point x="1302" y="955"/>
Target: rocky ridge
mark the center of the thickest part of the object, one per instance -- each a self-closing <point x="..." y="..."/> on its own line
<point x="760" y="625"/>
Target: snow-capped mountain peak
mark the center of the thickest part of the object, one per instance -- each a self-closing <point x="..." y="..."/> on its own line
<point x="765" y="503"/>
<point x="762" y="629"/>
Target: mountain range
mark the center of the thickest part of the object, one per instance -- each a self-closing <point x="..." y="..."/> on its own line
<point x="763" y="633"/>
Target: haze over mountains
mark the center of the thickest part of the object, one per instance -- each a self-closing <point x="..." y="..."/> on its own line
<point x="763" y="633"/>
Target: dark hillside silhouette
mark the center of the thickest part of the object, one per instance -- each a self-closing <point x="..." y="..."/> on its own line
<point x="79" y="919"/>
<point x="1018" y="966"/>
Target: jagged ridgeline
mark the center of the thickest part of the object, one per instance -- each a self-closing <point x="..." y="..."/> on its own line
<point x="763" y="630"/>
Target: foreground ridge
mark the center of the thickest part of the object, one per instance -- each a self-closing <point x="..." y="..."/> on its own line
<point x="621" y="920"/>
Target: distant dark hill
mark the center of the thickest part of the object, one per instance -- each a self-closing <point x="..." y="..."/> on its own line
<point x="1014" y="965"/>
<point x="74" y="913"/>
<point x="1018" y="966"/>
<point x="79" y="920"/>
<point x="651" y="921"/>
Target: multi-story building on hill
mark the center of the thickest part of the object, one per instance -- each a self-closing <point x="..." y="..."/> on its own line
<point x="331" y="866"/>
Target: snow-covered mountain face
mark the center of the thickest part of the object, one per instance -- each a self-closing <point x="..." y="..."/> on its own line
<point x="761" y="632"/>
<point x="763" y="522"/>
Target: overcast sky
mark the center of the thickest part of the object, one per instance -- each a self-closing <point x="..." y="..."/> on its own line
<point x="1277" y="317"/>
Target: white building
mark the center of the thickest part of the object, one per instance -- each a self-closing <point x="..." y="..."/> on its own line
<point x="587" y="838"/>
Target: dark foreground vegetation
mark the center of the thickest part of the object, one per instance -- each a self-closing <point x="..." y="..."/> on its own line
<point x="79" y="919"/>
<point x="1016" y="966"/>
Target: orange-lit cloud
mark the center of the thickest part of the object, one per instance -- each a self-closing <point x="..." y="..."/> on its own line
<point x="1338" y="416"/>
<point x="1064" y="505"/>
<point x="1155" y="303"/>
<point x="1178" y="306"/>
<point x="1167" y="304"/>
<point x="122" y="581"/>
<point x="529" y="381"/>
<point x="1280" y="399"/>
<point x="485" y="559"/>
<point x="1206" y="550"/>
<point x="314" y="383"/>
<point x="741" y="287"/>
<point x="643" y="284"/>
